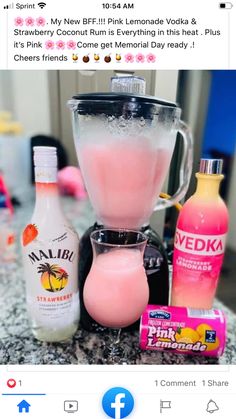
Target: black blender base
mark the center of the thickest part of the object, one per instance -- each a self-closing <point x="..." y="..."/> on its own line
<point x="156" y="266"/>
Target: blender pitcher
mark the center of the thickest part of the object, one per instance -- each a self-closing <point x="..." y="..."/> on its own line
<point x="124" y="144"/>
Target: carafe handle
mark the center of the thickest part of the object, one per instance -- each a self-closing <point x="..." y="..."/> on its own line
<point x="185" y="169"/>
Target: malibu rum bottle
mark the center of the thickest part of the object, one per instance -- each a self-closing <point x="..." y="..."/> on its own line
<point x="50" y="257"/>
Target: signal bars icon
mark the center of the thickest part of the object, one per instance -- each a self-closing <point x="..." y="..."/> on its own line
<point x="9" y="6"/>
<point x="41" y="5"/>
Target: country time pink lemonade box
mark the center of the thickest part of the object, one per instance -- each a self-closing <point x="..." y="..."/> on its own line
<point x="183" y="330"/>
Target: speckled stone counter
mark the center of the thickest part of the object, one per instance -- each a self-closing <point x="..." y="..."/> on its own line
<point x="18" y="346"/>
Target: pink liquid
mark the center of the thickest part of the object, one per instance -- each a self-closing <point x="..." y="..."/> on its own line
<point x="196" y="287"/>
<point x="116" y="290"/>
<point x="124" y="179"/>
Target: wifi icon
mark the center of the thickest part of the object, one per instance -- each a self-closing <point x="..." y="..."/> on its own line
<point x="41" y="5"/>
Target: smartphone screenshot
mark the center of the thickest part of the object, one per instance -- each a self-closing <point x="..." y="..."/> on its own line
<point x="117" y="209"/>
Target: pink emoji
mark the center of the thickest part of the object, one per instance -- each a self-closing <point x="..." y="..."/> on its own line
<point x="151" y="58"/>
<point x="140" y="58"/>
<point x="40" y="21"/>
<point x="129" y="58"/>
<point x="19" y="21"/>
<point x="49" y="44"/>
<point x="29" y="21"/>
<point x="60" y="44"/>
<point x="71" y="44"/>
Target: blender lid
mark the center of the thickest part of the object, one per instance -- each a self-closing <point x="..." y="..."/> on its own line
<point x="123" y="97"/>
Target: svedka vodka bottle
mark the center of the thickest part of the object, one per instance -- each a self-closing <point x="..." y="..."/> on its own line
<point x="200" y="241"/>
<point x="50" y="256"/>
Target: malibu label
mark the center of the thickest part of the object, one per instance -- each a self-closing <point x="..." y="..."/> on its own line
<point x="64" y="254"/>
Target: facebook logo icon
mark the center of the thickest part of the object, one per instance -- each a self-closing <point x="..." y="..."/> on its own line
<point x="118" y="403"/>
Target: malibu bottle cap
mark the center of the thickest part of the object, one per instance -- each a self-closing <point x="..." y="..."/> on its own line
<point x="45" y="156"/>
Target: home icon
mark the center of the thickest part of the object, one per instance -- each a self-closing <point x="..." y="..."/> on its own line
<point x="23" y="407"/>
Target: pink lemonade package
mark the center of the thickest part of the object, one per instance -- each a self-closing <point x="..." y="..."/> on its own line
<point x="183" y="330"/>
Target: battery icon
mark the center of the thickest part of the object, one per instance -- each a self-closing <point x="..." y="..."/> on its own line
<point x="226" y="5"/>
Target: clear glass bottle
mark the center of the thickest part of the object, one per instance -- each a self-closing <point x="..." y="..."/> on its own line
<point x="50" y="255"/>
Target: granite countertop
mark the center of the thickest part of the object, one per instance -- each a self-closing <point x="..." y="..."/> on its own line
<point x="18" y="346"/>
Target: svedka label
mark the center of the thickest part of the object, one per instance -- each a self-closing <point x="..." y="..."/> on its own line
<point x="200" y="244"/>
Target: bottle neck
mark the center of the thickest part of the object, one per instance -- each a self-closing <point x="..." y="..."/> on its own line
<point x="208" y="185"/>
<point x="47" y="193"/>
<point x="45" y="174"/>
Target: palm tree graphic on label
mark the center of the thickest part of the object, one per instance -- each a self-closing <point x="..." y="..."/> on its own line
<point x="53" y="277"/>
<point x="63" y="278"/>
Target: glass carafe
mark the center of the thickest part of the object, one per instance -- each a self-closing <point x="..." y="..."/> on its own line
<point x="124" y="144"/>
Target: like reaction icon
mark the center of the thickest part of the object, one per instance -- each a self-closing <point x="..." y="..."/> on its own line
<point x="11" y="383"/>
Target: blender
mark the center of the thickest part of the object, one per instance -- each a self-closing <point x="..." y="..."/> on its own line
<point x="124" y="143"/>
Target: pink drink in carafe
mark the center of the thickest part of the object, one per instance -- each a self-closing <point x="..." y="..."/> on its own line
<point x="116" y="291"/>
<point x="124" y="179"/>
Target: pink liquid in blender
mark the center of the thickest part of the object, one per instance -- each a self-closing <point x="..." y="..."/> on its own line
<point x="116" y="291"/>
<point x="124" y="179"/>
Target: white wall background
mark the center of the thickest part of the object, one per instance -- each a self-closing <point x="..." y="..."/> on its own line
<point x="166" y="84"/>
<point x="26" y="95"/>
